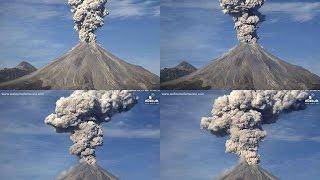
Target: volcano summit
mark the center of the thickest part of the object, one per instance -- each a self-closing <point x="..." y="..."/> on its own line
<point x="85" y="171"/>
<point x="244" y="171"/>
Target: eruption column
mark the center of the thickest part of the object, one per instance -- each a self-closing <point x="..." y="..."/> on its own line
<point x="242" y="114"/>
<point x="81" y="114"/>
<point x="246" y="17"/>
<point x="88" y="17"/>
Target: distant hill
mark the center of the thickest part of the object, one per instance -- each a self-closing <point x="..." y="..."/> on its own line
<point x="182" y="69"/>
<point x="20" y="70"/>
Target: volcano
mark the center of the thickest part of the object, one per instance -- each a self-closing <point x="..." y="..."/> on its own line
<point x="244" y="171"/>
<point x="85" y="171"/>
<point x="247" y="66"/>
<point x="87" y="66"/>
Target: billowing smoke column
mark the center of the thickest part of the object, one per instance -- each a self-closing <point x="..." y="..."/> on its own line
<point x="242" y="114"/>
<point x="88" y="16"/>
<point x="246" y="16"/>
<point x="81" y="115"/>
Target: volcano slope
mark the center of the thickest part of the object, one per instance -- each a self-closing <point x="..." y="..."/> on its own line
<point x="244" y="171"/>
<point x="85" y="171"/>
<point x="87" y="66"/>
<point x="247" y="66"/>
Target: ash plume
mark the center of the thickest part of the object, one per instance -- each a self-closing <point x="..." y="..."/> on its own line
<point x="88" y="17"/>
<point x="242" y="114"/>
<point x="246" y="17"/>
<point x="82" y="113"/>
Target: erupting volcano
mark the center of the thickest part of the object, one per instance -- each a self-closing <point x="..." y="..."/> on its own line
<point x="88" y="65"/>
<point x="240" y="116"/>
<point x="248" y="65"/>
<point x="81" y="115"/>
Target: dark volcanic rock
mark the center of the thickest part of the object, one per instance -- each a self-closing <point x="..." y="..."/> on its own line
<point x="182" y="69"/>
<point x="244" y="171"/>
<point x="85" y="171"/>
<point x="247" y="66"/>
<point x="20" y="70"/>
<point x="87" y="66"/>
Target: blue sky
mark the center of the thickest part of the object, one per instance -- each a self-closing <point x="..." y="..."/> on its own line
<point x="39" y="31"/>
<point x="198" y="31"/>
<point x="31" y="150"/>
<point x="290" y="151"/>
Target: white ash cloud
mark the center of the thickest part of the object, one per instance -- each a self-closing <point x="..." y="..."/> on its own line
<point x="82" y="113"/>
<point x="88" y="17"/>
<point x="246" y="17"/>
<point x="242" y="114"/>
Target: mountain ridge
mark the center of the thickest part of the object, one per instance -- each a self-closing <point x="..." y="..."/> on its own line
<point x="22" y="69"/>
<point x="182" y="69"/>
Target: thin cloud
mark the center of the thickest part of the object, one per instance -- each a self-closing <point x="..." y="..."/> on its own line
<point x="297" y="11"/>
<point x="132" y="133"/>
<point x="29" y="129"/>
<point x="47" y="9"/>
<point x="29" y="11"/>
<point x="45" y="2"/>
<point x="287" y="134"/>
<point x="191" y="4"/>
<point x="26" y="129"/>
<point x="133" y="8"/>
